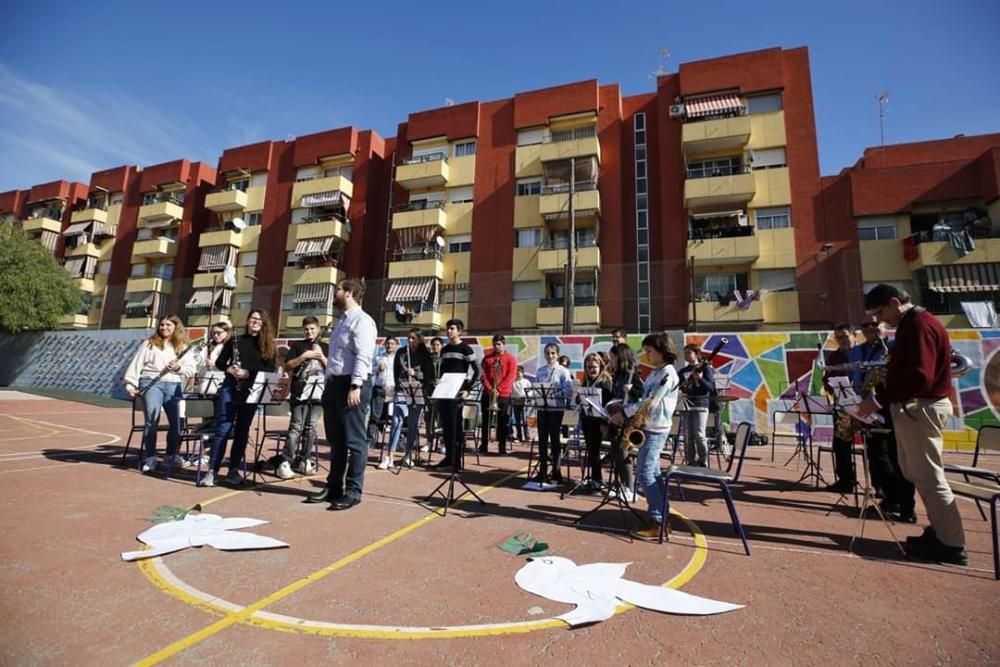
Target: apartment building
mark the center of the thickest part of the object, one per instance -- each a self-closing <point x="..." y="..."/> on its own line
<point x="44" y="211"/>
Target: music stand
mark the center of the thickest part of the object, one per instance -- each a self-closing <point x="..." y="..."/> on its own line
<point x="261" y="393"/>
<point x="869" y="493"/>
<point x="413" y="395"/>
<point x="448" y="389"/>
<point x="589" y="401"/>
<point x="614" y="493"/>
<point x="814" y="405"/>
<point x="208" y="382"/>
<point x="544" y="398"/>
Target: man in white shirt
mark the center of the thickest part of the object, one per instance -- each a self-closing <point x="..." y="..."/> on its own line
<point x="346" y="398"/>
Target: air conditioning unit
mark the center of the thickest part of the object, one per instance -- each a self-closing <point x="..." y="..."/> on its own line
<point x="676" y="110"/>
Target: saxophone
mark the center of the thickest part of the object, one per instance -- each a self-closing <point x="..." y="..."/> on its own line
<point x="632" y="436"/>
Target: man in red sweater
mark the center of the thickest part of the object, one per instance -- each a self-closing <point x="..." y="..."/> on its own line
<point x="499" y="371"/>
<point x="918" y="384"/>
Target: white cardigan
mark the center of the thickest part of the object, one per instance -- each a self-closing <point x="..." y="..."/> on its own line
<point x="149" y="361"/>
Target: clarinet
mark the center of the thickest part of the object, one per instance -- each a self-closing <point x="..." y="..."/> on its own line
<point x="235" y="361"/>
<point x="166" y="370"/>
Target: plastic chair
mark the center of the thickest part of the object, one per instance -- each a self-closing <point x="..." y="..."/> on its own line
<point x="723" y="478"/>
<point x="988" y="440"/>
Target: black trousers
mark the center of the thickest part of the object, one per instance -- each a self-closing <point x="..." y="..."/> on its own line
<point x="883" y="465"/>
<point x="503" y="409"/>
<point x="592" y="436"/>
<point x="549" y="444"/>
<point x="843" y="461"/>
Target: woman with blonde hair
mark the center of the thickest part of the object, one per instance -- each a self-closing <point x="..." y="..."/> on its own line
<point x="156" y="373"/>
<point x="595" y="374"/>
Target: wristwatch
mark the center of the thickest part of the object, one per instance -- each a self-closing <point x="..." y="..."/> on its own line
<point x="355" y="386"/>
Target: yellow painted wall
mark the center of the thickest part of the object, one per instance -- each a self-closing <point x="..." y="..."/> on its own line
<point x="777" y="249"/>
<point x="522" y="314"/>
<point x="457" y="261"/>
<point x="528" y="161"/>
<point x="459" y="218"/>
<point x="255" y="198"/>
<point x="772" y="188"/>
<point x="525" y="265"/>
<point x="461" y="170"/>
<point x="883" y="261"/>
<point x="526" y="212"/>
<point x="781" y="308"/>
<point x="767" y="130"/>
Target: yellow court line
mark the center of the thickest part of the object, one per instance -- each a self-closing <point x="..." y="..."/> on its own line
<point x="29" y="422"/>
<point x="253" y="615"/>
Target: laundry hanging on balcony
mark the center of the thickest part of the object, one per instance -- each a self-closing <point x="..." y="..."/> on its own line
<point x="957" y="278"/>
<point x="314" y="247"/>
<point x="713" y="105"/>
<point x="313" y="293"/>
<point x="330" y="198"/>
<point x="412" y="289"/>
<point x="217" y="257"/>
<point x="411" y="236"/>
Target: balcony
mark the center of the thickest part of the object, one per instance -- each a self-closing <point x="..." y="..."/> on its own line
<point x="153" y="248"/>
<point x="555" y="259"/>
<point x="88" y="215"/>
<point x="425" y="319"/>
<point x="716" y="135"/>
<point x="43" y="224"/>
<point x="550" y="313"/>
<point x="318" y="229"/>
<point x="421" y="214"/>
<point x="229" y="200"/>
<point x="424" y="262"/>
<point x="426" y="171"/>
<point x="320" y="275"/>
<point x="941" y="253"/>
<point x="77" y="321"/>
<point x="731" y="246"/>
<point x="223" y="237"/>
<point x="83" y="250"/>
<point x="724" y="190"/>
<point x="554" y="202"/>
<point x="317" y="185"/>
<point x="160" y="214"/>
<point x="711" y="312"/>
<point x="565" y="144"/>
<point x="160" y="285"/>
<point x="781" y="307"/>
<point x="85" y="284"/>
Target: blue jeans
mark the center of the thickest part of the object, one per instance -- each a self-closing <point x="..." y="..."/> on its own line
<point x="162" y="396"/>
<point x="647" y="472"/>
<point x="345" y="431"/>
<point x="301" y="426"/>
<point x="399" y="413"/>
<point x="231" y="416"/>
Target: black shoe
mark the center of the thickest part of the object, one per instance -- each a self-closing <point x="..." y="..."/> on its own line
<point x="938" y="553"/>
<point x="929" y="536"/>
<point x="902" y="517"/>
<point x="443" y="463"/>
<point x="557" y="477"/>
<point x="344" y="503"/>
<point x="323" y="496"/>
<point x="503" y="451"/>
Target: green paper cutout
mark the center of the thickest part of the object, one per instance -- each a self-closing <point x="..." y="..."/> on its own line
<point x="523" y="544"/>
<point x="165" y="513"/>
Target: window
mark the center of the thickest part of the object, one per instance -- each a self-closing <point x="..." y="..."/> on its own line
<point x="777" y="280"/>
<point x="248" y="259"/>
<point x="252" y="219"/>
<point x="527" y="290"/>
<point x="243" y="301"/>
<point x="530" y="136"/>
<point x="726" y="166"/>
<point x="773" y="217"/>
<point x="162" y="271"/>
<point x="719" y="286"/>
<point x="240" y="184"/>
<point x="528" y="238"/>
<point x="306" y="173"/>
<point x="449" y="292"/>
<point x="138" y="271"/>
<point x="287" y="302"/>
<point x="529" y="186"/>
<point x="460" y="195"/>
<point x="763" y="103"/>
<point x="876" y="229"/>
<point x="258" y="180"/>
<point x="144" y="234"/>
<point x="768" y="158"/>
<point x="465" y="148"/>
<point x="460" y="243"/>
<point x="585" y="238"/>
<point x="117" y="198"/>
<point x="291" y="259"/>
<point x="583" y="291"/>
<point x="344" y="171"/>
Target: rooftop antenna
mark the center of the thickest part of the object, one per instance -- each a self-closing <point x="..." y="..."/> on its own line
<point x="662" y="67"/>
<point x="448" y="102"/>
<point x="882" y="99"/>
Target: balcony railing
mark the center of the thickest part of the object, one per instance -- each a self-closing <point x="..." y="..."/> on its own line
<point x="417" y="253"/>
<point x="430" y="157"/>
<point x="171" y="198"/>
<point x="558" y="188"/>
<point x="585" y="132"/>
<point x="720" y="233"/>
<point x="711" y="172"/>
<point x="559" y="302"/>
<point x="563" y="244"/>
<point x="420" y="205"/>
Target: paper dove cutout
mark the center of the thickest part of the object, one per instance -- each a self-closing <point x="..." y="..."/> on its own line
<point x="197" y="530"/>
<point x="596" y="589"/>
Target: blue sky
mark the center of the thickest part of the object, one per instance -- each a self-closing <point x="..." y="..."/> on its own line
<point x="90" y="85"/>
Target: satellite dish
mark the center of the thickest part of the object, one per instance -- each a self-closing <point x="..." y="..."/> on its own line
<point x="440" y="241"/>
<point x="238" y="224"/>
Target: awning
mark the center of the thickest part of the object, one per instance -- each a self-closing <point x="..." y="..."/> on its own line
<point x="410" y="289"/>
<point x="89" y="267"/>
<point x="313" y="293"/>
<point x="411" y="236"/>
<point x="48" y="240"/>
<point x="313" y="247"/>
<point x="217" y="257"/>
<point x="140" y="300"/>
<point x="964" y="278"/>
<point x="78" y="228"/>
<point x="331" y="198"/>
<point x="74" y="267"/>
<point x="712" y="105"/>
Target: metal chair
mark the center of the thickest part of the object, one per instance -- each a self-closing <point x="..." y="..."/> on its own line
<point x="201" y="432"/>
<point x="988" y="440"/>
<point x="138" y="426"/>
<point x="723" y="478"/>
<point x="788" y="425"/>
<point x="984" y="492"/>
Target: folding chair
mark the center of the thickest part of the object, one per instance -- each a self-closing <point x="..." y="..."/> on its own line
<point x="279" y="435"/>
<point x="986" y="493"/>
<point x="200" y="432"/>
<point x="571" y="420"/>
<point x="700" y="475"/>
<point x="138" y="426"/>
<point x="988" y="440"/>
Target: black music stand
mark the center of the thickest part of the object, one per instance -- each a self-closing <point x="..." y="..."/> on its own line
<point x="587" y="410"/>
<point x="869" y="493"/>
<point x="614" y="493"/>
<point x="814" y="405"/>
<point x="544" y="398"/>
<point x="413" y="395"/>
<point x="261" y="394"/>
<point x="444" y="392"/>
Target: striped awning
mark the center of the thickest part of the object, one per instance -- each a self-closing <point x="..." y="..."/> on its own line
<point x="330" y="198"/>
<point x="140" y="300"/>
<point x="313" y="293"/>
<point x="313" y="247"/>
<point x="78" y="228"/>
<point x="217" y="257"/>
<point x="74" y="267"/>
<point x="964" y="278"/>
<point x="410" y="289"/>
<point x="203" y="298"/>
<point x="712" y="105"/>
<point x="89" y="267"/>
<point x="411" y="236"/>
<point x="49" y="240"/>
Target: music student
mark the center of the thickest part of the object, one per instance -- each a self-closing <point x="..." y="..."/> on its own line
<point x="499" y="369"/>
<point x="626" y="386"/>
<point x="518" y="397"/>
<point x="843" y="432"/>
<point x="206" y="382"/>
<point x="306" y="361"/>
<point x="549" y="415"/>
<point x="414" y="363"/>
<point x="698" y="385"/>
<point x="456" y="357"/>
<point x="595" y="374"/>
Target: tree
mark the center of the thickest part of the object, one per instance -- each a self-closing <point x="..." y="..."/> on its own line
<point x="34" y="290"/>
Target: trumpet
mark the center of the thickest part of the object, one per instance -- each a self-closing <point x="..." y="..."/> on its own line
<point x="494" y="391"/>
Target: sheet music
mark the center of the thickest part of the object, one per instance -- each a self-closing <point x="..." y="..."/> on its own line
<point x="263" y="388"/>
<point x="313" y="390"/>
<point x="449" y="386"/>
<point x="411" y="391"/>
<point x="589" y="399"/>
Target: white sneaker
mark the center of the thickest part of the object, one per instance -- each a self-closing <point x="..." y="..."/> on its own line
<point x="175" y="461"/>
<point x="425" y="449"/>
<point x="385" y="463"/>
<point x="207" y="479"/>
<point x="627" y="494"/>
<point x="407" y="461"/>
<point x="149" y="465"/>
<point x="284" y="471"/>
<point x="308" y="467"/>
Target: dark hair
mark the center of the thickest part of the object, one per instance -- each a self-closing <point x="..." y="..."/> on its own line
<point x="355" y="286"/>
<point x="554" y="346"/>
<point x="565" y="361"/>
<point x="520" y="368"/>
<point x="621" y="357"/>
<point x="844" y="325"/>
<point x="437" y="339"/>
<point x="310" y="319"/>
<point x="662" y="344"/>
<point x="619" y="332"/>
<point x="881" y="294"/>
<point x="691" y="347"/>
<point x="265" y="342"/>
<point x="499" y="338"/>
<point x="456" y="323"/>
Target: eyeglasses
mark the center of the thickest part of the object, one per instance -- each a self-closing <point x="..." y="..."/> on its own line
<point x="254" y="319"/>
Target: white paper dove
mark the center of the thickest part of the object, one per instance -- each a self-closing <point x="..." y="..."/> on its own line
<point x="197" y="530"/>
<point x="596" y="589"/>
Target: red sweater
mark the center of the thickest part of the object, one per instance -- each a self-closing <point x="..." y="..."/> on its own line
<point x="508" y="373"/>
<point x="920" y="363"/>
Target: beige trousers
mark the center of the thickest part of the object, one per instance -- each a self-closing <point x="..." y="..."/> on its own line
<point x="919" y="443"/>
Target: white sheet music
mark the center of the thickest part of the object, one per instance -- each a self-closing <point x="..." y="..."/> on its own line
<point x="263" y="388"/>
<point x="411" y="392"/>
<point x="313" y="390"/>
<point x="449" y="385"/>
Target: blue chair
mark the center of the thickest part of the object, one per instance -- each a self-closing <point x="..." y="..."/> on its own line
<point x="723" y="478"/>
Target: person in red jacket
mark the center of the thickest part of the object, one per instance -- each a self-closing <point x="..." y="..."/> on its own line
<point x="917" y="389"/>
<point x="499" y="372"/>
